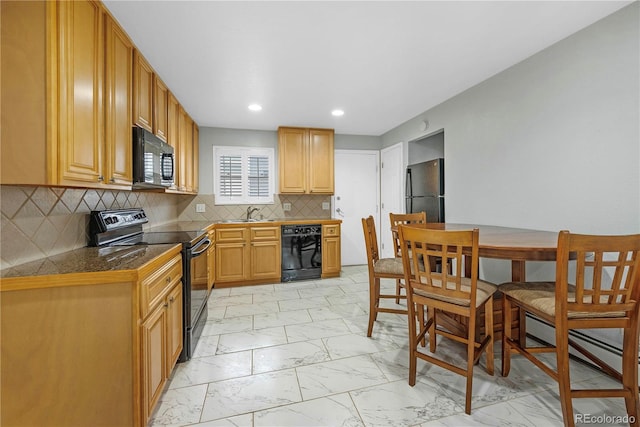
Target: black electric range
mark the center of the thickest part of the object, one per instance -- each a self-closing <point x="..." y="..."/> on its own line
<point x="123" y="227"/>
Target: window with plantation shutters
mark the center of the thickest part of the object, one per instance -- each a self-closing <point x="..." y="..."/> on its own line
<point x="243" y="175"/>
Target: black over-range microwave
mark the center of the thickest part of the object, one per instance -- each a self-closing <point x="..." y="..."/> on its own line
<point x="153" y="160"/>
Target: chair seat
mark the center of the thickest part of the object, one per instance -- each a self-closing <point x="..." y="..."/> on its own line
<point x="483" y="292"/>
<point x="542" y="297"/>
<point x="389" y="266"/>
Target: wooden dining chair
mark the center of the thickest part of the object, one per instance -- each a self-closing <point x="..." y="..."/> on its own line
<point x="390" y="268"/>
<point x="602" y="291"/>
<point x="446" y="292"/>
<point x="399" y="219"/>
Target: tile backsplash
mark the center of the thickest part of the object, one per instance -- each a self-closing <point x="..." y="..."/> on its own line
<point x="41" y="221"/>
<point x="303" y="206"/>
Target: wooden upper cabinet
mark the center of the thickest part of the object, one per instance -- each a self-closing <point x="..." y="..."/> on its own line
<point x="321" y="161"/>
<point x="305" y="161"/>
<point x="80" y="107"/>
<point x="118" y="92"/>
<point x="142" y="92"/>
<point x="188" y="153"/>
<point x="292" y="160"/>
<point x="65" y="93"/>
<point x="195" y="170"/>
<point x="160" y="108"/>
<point x="173" y="135"/>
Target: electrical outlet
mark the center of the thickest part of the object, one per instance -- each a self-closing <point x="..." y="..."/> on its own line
<point x="326" y="206"/>
<point x="286" y="206"/>
<point x="200" y="207"/>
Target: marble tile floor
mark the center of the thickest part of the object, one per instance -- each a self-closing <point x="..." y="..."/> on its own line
<point x="296" y="354"/>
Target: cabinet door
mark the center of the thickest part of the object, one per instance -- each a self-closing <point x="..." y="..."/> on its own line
<point x="184" y="150"/>
<point x="212" y="260"/>
<point x="231" y="262"/>
<point x="292" y="160"/>
<point x="265" y="260"/>
<point x="143" y="92"/>
<point x="188" y="156"/>
<point x="154" y="357"/>
<point x="173" y="135"/>
<point x="330" y="256"/>
<point x="80" y="106"/>
<point x="160" y="108"/>
<point x="174" y="327"/>
<point x="196" y="158"/>
<point x="118" y="94"/>
<point x="321" y="161"/>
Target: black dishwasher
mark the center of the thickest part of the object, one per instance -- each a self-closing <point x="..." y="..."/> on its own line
<point x="301" y="252"/>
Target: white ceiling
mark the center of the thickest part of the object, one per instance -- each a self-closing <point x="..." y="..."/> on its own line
<point x="382" y="62"/>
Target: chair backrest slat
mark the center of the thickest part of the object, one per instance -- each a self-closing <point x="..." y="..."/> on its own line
<point x="419" y="246"/>
<point x="402" y="219"/>
<point x="607" y="276"/>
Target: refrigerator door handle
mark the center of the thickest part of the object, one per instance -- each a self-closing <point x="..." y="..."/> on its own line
<point x="409" y="193"/>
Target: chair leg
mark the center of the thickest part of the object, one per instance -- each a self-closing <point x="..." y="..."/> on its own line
<point x="413" y="341"/>
<point x="564" y="380"/>
<point x="398" y="291"/>
<point x="374" y="300"/>
<point x="471" y="350"/>
<point x="431" y="314"/>
<point x="630" y="373"/>
<point x="421" y="322"/>
<point x="506" y="335"/>
<point x="488" y="330"/>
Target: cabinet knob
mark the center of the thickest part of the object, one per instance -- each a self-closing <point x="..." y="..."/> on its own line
<point x="168" y="279"/>
<point x="100" y="178"/>
<point x="112" y="180"/>
<point x="166" y="304"/>
<point x="171" y="299"/>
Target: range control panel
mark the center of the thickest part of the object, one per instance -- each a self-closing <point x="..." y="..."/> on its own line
<point x="302" y="230"/>
<point x="115" y="219"/>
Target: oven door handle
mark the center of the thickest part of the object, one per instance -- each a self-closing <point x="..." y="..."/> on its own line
<point x="204" y="242"/>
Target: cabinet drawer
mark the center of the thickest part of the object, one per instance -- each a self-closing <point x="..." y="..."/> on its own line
<point x="230" y="235"/>
<point x="155" y="286"/>
<point x="330" y="230"/>
<point x="265" y="233"/>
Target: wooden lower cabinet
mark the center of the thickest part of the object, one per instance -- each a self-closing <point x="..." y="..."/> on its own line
<point x="331" y="256"/>
<point x="211" y="260"/>
<point x="89" y="349"/>
<point x="161" y="329"/>
<point x="247" y="255"/>
<point x="161" y="346"/>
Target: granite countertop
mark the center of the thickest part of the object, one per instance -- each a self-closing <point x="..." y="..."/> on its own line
<point x="205" y="225"/>
<point x="89" y="260"/>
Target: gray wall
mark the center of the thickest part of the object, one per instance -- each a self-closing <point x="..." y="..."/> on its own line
<point x="257" y="138"/>
<point x="427" y="148"/>
<point x="552" y="142"/>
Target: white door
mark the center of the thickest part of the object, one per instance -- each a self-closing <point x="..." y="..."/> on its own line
<point x="391" y="194"/>
<point x="357" y="190"/>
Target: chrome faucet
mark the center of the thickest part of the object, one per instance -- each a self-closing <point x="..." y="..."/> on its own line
<point x="251" y="210"/>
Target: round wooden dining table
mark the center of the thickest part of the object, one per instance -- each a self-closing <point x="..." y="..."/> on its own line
<point x="516" y="244"/>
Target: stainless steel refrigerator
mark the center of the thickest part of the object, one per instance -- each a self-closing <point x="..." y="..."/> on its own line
<point x="425" y="189"/>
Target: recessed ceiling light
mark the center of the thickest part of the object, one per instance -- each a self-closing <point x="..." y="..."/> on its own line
<point x="337" y="113"/>
<point x="255" y="107"/>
